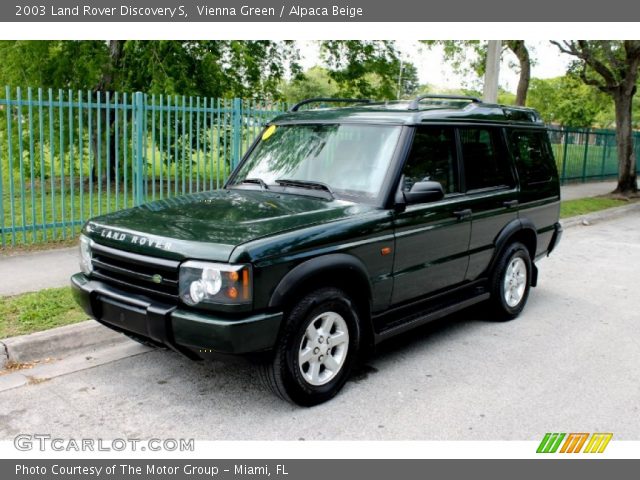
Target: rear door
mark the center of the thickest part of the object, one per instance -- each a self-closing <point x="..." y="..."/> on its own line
<point x="539" y="185"/>
<point x="490" y="186"/>
<point x="432" y="239"/>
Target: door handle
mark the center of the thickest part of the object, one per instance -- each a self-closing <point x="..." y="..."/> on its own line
<point x="510" y="203"/>
<point x="462" y="214"/>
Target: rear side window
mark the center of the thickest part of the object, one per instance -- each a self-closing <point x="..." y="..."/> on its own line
<point x="485" y="164"/>
<point x="533" y="158"/>
<point x="432" y="158"/>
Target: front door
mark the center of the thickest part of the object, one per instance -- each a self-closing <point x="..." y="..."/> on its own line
<point x="432" y="239"/>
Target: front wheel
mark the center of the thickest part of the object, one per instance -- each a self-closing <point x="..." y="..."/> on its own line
<point x="511" y="282"/>
<point x="316" y="350"/>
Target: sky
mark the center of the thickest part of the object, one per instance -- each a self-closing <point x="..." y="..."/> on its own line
<point x="549" y="63"/>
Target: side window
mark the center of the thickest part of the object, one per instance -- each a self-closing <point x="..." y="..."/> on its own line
<point x="485" y="164"/>
<point x="533" y="159"/>
<point x="432" y="157"/>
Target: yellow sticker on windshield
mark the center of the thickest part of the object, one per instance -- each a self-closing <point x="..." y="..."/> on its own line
<point x="268" y="132"/>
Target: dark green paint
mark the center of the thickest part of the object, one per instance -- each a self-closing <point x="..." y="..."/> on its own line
<point x="210" y="225"/>
<point x="208" y="332"/>
<point x="433" y="248"/>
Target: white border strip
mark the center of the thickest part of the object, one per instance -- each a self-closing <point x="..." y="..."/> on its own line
<point x="341" y="450"/>
<point x="318" y="31"/>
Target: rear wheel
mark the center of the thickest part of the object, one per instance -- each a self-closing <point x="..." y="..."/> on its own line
<point x="316" y="350"/>
<point x="511" y="282"/>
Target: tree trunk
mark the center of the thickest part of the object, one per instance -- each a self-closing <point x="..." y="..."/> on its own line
<point x="106" y="84"/>
<point x="520" y="50"/>
<point x="627" y="178"/>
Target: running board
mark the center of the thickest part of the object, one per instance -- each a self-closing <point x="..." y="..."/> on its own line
<point x="429" y="317"/>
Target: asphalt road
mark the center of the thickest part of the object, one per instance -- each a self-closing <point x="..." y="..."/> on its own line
<point x="570" y="363"/>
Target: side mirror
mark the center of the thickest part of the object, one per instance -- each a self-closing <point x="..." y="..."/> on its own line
<point x="423" y="192"/>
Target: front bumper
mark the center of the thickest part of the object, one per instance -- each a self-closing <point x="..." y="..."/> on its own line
<point x="192" y="333"/>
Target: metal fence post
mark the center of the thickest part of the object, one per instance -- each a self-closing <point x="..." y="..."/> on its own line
<point x="636" y="149"/>
<point x="604" y="155"/>
<point x="563" y="178"/>
<point x="584" y="160"/>
<point x="139" y="164"/>
<point x="237" y="131"/>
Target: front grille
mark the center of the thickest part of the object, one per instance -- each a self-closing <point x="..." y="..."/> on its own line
<point x="136" y="272"/>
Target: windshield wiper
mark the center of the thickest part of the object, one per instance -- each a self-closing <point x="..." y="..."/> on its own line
<point x="257" y="181"/>
<point x="286" y="182"/>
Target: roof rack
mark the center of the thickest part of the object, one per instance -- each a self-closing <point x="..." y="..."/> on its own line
<point x="415" y="103"/>
<point x="297" y="106"/>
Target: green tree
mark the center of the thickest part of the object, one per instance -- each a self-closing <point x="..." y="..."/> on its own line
<point x="467" y="56"/>
<point x="208" y="68"/>
<point x="214" y="68"/>
<point x="249" y="69"/>
<point x="52" y="63"/>
<point x="363" y="69"/>
<point x="567" y="101"/>
<point x="315" y="82"/>
<point x="612" y="67"/>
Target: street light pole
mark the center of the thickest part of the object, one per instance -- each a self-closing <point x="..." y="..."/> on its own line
<point x="492" y="70"/>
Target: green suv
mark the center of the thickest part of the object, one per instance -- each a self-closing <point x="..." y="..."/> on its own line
<point x="340" y="228"/>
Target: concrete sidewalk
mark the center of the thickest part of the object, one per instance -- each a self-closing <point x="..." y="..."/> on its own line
<point x="585" y="190"/>
<point x="31" y="272"/>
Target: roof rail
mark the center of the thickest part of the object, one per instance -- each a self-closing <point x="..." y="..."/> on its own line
<point x="415" y="103"/>
<point x="297" y="106"/>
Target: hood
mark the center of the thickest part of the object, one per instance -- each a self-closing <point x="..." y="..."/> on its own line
<point x="211" y="224"/>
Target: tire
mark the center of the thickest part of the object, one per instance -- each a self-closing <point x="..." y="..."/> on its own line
<point x="304" y="369"/>
<point x="511" y="282"/>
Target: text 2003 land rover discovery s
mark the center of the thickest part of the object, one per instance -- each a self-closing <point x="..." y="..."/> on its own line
<point x="340" y="228"/>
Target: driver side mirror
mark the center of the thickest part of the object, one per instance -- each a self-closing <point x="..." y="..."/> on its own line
<point x="424" y="192"/>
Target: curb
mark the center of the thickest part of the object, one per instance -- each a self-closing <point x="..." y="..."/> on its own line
<point x="596" y="217"/>
<point x="63" y="341"/>
<point x="56" y="342"/>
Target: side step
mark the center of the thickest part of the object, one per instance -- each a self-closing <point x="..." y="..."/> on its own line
<point x="428" y="315"/>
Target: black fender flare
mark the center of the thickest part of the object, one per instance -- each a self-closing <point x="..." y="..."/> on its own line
<point x="316" y="267"/>
<point x="502" y="240"/>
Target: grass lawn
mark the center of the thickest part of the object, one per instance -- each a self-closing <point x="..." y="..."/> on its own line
<point x="33" y="312"/>
<point x="581" y="206"/>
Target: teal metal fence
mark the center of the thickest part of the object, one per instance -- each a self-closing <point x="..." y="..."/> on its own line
<point x="586" y="155"/>
<point x="66" y="156"/>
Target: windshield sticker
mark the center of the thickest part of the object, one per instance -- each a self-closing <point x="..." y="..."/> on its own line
<point x="268" y="132"/>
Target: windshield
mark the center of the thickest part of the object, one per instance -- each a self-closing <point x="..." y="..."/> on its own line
<point x="351" y="160"/>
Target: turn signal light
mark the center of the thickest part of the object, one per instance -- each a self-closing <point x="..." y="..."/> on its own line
<point x="232" y="292"/>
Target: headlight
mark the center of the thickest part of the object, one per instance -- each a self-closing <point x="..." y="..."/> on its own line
<point x="85" y="255"/>
<point x="215" y="283"/>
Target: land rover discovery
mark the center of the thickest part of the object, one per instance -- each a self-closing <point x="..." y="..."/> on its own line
<point x="340" y="228"/>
